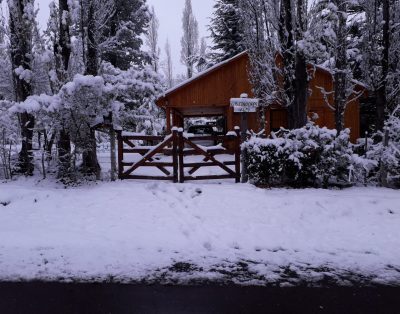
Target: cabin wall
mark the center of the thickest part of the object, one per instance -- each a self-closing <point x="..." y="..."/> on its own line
<point x="212" y="93"/>
<point x="216" y="88"/>
<point x="322" y="105"/>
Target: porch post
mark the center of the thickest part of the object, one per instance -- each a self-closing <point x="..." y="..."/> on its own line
<point x="168" y="116"/>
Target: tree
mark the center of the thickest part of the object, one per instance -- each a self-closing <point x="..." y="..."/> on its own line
<point x="341" y="65"/>
<point x="152" y="40"/>
<point x="257" y="20"/>
<point x="202" y="59"/>
<point x="21" y="23"/>
<point x="190" y="39"/>
<point x="121" y="36"/>
<point x="168" y="66"/>
<point x="380" y="59"/>
<point x="292" y="27"/>
<point x="226" y="30"/>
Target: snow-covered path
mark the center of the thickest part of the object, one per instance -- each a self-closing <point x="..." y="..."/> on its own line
<point x="131" y="231"/>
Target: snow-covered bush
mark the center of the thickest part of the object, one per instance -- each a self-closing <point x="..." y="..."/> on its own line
<point x="309" y="156"/>
<point x="386" y="153"/>
<point x="134" y="94"/>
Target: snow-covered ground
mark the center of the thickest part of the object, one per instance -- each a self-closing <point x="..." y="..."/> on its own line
<point x="164" y="232"/>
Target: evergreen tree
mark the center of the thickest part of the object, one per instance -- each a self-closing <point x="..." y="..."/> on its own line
<point x="226" y="30"/>
<point x="122" y="37"/>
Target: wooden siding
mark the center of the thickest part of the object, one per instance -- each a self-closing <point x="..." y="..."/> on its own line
<point x="210" y="94"/>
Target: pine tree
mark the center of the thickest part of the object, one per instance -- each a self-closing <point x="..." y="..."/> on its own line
<point x="122" y="36"/>
<point x="226" y="30"/>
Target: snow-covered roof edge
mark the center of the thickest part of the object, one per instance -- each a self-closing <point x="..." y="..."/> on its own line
<point x="201" y="74"/>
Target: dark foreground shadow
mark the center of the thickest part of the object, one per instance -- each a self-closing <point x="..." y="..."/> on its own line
<point x="58" y="298"/>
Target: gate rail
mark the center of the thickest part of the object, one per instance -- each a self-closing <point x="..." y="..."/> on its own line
<point x="178" y="145"/>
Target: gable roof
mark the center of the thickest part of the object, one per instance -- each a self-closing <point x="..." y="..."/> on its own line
<point x="202" y="74"/>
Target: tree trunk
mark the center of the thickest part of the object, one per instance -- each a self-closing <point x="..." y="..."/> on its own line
<point x="90" y="162"/>
<point x="295" y="77"/>
<point x="381" y="96"/>
<point x="25" y="158"/>
<point x="21" y="49"/>
<point x="63" y="53"/>
<point x="298" y="109"/>
<point x="340" y="68"/>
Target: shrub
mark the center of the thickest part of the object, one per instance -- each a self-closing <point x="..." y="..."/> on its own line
<point x="310" y="156"/>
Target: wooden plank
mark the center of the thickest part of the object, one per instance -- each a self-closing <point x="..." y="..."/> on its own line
<point x="175" y="154"/>
<point x="143" y="138"/>
<point x="238" y="153"/>
<point x="181" y="147"/>
<point x="217" y="177"/>
<point x="217" y="138"/>
<point x="138" y="177"/>
<point x="120" y="155"/>
<point x="208" y="164"/>
<point x="190" y="152"/>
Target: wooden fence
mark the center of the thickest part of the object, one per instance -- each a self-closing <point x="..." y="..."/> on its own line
<point x="177" y="147"/>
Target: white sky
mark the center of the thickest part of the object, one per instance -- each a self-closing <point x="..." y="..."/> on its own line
<point x="169" y="13"/>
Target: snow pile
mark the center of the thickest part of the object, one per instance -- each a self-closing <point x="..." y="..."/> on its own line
<point x="177" y="233"/>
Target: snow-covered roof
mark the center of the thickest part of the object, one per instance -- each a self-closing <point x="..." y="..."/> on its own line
<point x="201" y="74"/>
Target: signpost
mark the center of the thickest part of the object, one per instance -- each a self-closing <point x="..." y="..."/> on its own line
<point x="244" y="105"/>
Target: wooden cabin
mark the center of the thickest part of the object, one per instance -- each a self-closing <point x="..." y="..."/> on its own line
<point x="208" y="95"/>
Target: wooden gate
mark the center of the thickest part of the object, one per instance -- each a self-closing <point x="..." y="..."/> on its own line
<point x="178" y="147"/>
<point x="129" y="143"/>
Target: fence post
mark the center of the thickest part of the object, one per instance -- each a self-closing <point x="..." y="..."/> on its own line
<point x="112" y="151"/>
<point x="120" y="155"/>
<point x="175" y="153"/>
<point x="181" y="157"/>
<point x="237" y="154"/>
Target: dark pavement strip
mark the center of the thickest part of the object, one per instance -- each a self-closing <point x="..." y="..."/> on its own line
<point x="43" y="298"/>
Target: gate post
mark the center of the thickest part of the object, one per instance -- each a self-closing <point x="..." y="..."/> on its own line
<point x="175" y="153"/>
<point x="181" y="156"/>
<point x="237" y="154"/>
<point x="120" y="155"/>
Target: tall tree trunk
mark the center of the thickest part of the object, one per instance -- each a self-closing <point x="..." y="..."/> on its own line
<point x="63" y="53"/>
<point x="298" y="109"/>
<point x="381" y="96"/>
<point x="299" y="105"/>
<point x="21" y="49"/>
<point x="341" y="67"/>
<point x="90" y="162"/>
<point x="295" y="77"/>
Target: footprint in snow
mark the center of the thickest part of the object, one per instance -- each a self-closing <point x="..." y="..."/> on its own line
<point x="197" y="192"/>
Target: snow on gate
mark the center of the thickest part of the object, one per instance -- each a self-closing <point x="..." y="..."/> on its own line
<point x="178" y="157"/>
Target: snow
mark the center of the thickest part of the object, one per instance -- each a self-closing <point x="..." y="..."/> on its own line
<point x="130" y="231"/>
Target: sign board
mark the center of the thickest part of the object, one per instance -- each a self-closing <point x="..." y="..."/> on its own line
<point x="244" y="104"/>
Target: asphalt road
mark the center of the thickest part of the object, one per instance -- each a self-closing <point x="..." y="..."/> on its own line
<point x="58" y="298"/>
